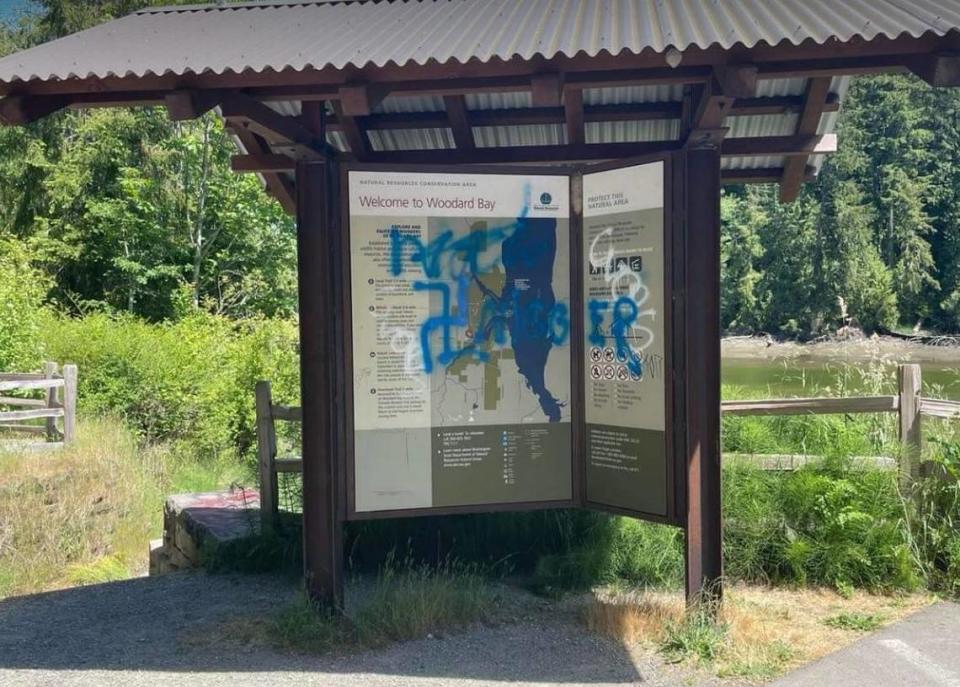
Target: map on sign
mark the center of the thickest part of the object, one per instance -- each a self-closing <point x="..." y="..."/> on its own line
<point x="461" y="339"/>
<point x="497" y="368"/>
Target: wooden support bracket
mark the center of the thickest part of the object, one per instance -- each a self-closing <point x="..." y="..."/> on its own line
<point x="940" y="69"/>
<point x="186" y="105"/>
<point x="17" y="110"/>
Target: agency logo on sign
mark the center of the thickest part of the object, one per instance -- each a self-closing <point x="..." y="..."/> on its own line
<point x="545" y="202"/>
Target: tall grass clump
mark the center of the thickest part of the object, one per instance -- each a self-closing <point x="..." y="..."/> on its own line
<point x="934" y="515"/>
<point x="408" y="600"/>
<point x="833" y="524"/>
<point x="79" y="515"/>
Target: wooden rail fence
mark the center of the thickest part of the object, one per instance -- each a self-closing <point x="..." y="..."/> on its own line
<point x="58" y="402"/>
<point x="908" y="404"/>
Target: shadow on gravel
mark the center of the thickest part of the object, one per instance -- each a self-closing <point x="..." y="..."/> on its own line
<point x="151" y="624"/>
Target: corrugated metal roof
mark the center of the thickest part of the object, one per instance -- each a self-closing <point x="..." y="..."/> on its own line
<point x="278" y="36"/>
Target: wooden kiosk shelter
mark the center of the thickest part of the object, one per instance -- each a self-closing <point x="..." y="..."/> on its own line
<point x="717" y="91"/>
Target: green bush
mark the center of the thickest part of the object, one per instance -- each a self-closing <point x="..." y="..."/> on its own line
<point x="22" y="290"/>
<point x="189" y="381"/>
<point x="832" y="524"/>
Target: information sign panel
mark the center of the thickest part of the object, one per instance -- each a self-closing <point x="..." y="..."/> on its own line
<point x="461" y="356"/>
<point x="625" y="353"/>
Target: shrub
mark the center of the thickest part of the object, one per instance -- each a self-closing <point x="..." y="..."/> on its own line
<point x="832" y="524"/>
<point x="934" y="513"/>
<point x="22" y="290"/>
<point x="189" y="381"/>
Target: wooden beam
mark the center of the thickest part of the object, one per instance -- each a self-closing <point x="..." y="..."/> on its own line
<point x="732" y="147"/>
<point x="573" y="116"/>
<point x="700" y="385"/>
<point x="242" y="111"/>
<point x="737" y="80"/>
<point x="941" y="69"/>
<point x="354" y="132"/>
<point x="627" y="112"/>
<point x="186" y="105"/>
<point x="504" y="155"/>
<point x="795" y="167"/>
<point x="319" y="260"/>
<point x="762" y="175"/>
<point x="360" y="99"/>
<point x="263" y="162"/>
<point x="714" y="101"/>
<point x="459" y="121"/>
<point x="17" y="110"/>
<point x="277" y="184"/>
<point x="546" y="89"/>
<point x="780" y="145"/>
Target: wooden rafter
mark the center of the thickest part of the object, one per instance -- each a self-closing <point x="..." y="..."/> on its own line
<point x="794" y="169"/>
<point x="354" y="132"/>
<point x="546" y="90"/>
<point x="574" y="116"/>
<point x="284" y="133"/>
<point x="18" y="110"/>
<point x="359" y="99"/>
<point x="278" y="184"/>
<point x="769" y="175"/>
<point x="459" y="121"/>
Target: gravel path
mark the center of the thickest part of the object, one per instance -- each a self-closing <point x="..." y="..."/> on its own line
<point x="174" y="630"/>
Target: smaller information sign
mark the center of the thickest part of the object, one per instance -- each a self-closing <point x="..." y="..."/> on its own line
<point x="624" y="338"/>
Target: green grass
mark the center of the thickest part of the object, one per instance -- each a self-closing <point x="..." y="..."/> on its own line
<point x="857" y="622"/>
<point x="85" y="514"/>
<point x="697" y="637"/>
<point x="407" y="601"/>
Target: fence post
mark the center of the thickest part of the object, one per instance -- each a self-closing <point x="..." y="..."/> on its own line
<point x="266" y="452"/>
<point x="49" y="372"/>
<point x="910" y="437"/>
<point x="69" y="403"/>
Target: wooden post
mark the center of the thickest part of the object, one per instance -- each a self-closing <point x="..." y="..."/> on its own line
<point x="318" y="257"/>
<point x="69" y="403"/>
<point x="910" y="438"/>
<point x="701" y="351"/>
<point x="49" y="372"/>
<point x="266" y="453"/>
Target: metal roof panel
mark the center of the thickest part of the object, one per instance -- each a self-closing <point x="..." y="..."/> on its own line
<point x="257" y="37"/>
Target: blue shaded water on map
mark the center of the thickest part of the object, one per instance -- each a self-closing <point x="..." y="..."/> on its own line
<point x="528" y="259"/>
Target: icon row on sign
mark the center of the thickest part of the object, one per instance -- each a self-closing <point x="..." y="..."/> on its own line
<point x="606" y="355"/>
<point x="610" y="372"/>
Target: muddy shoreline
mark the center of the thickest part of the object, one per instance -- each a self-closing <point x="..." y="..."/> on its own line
<point x="758" y="348"/>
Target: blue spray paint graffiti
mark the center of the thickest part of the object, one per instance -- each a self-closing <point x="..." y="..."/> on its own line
<point x="526" y="309"/>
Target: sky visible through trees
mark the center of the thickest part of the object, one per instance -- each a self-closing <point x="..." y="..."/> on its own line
<point x="121" y="210"/>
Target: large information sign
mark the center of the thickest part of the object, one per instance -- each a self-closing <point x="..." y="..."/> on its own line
<point x="461" y="353"/>
<point x="626" y="374"/>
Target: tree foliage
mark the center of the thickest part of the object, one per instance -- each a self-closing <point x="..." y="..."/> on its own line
<point x="127" y="211"/>
<point x="874" y="242"/>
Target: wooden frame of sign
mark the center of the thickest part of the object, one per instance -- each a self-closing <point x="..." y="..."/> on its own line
<point x="357" y="255"/>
